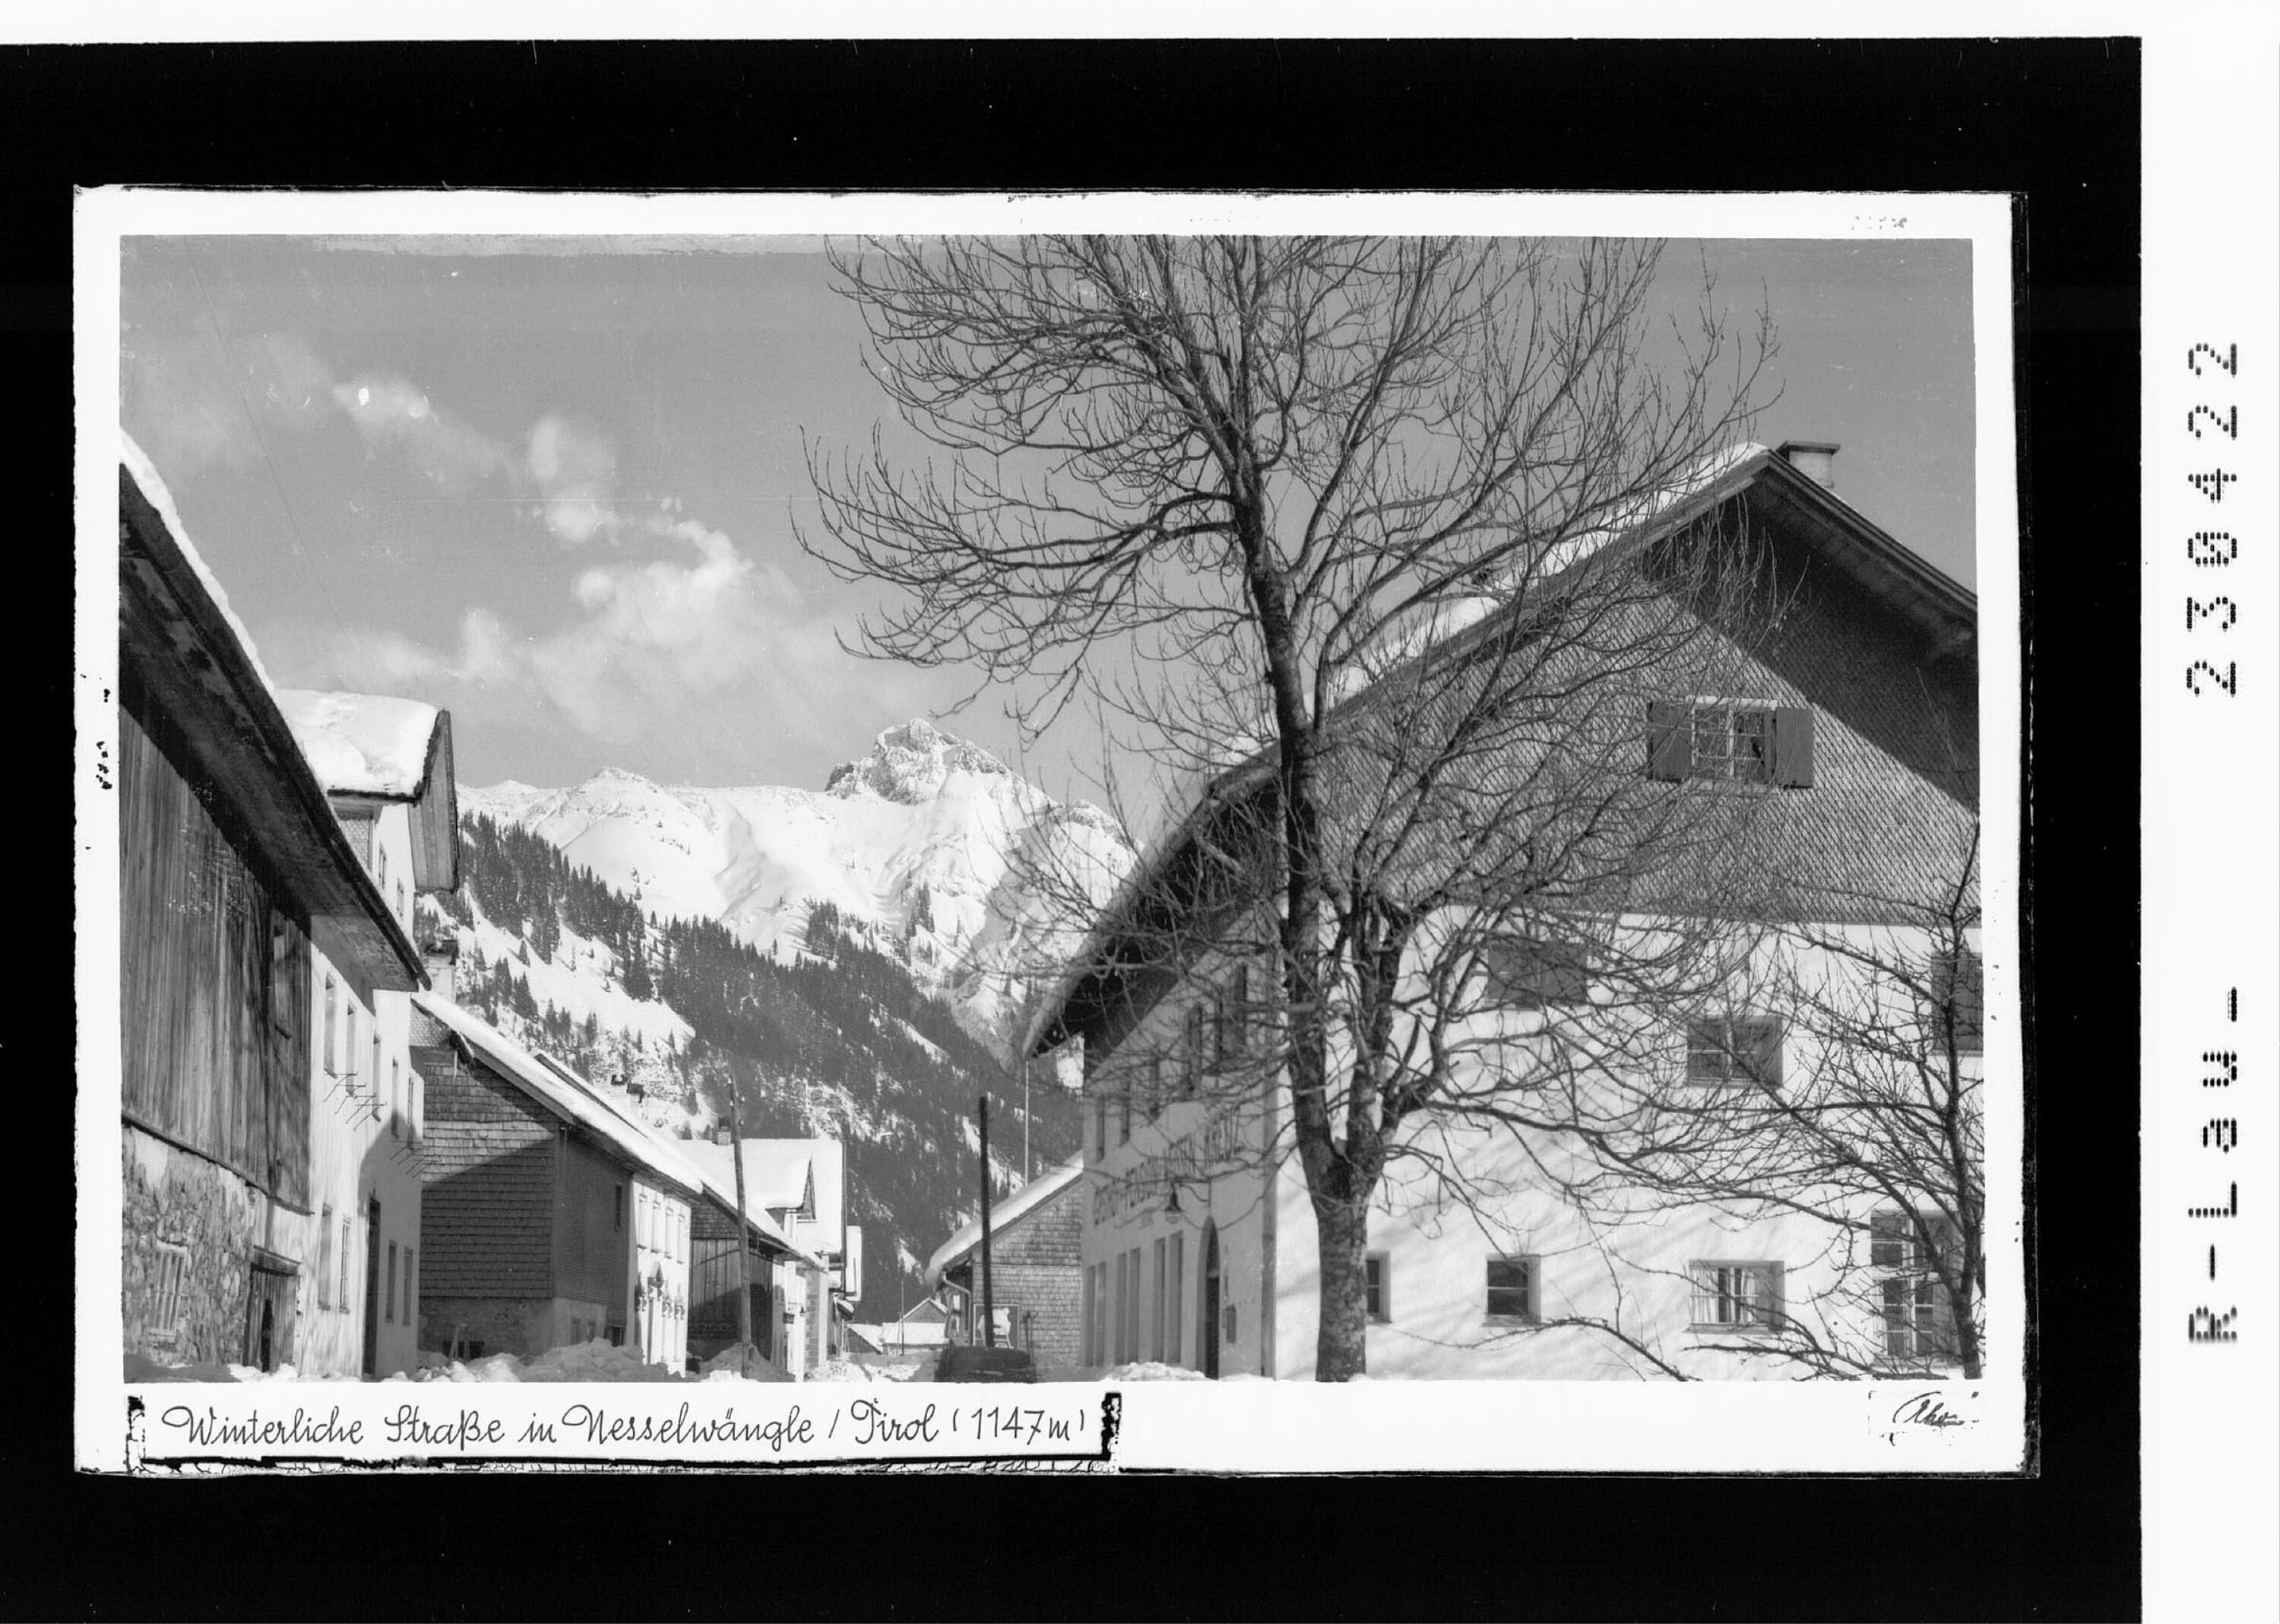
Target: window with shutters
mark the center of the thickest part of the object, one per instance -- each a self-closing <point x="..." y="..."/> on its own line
<point x="1918" y="1313"/>
<point x="1100" y="1126"/>
<point x="1377" y="1276"/>
<point x="1124" y="1114"/>
<point x="332" y="1027"/>
<point x="1511" y="1283"/>
<point x="1531" y="974"/>
<point x="1958" y="986"/>
<point x="1735" y="1051"/>
<point x="1729" y="740"/>
<point x="1154" y="1086"/>
<point x="1736" y="1296"/>
<point x="387" y="1301"/>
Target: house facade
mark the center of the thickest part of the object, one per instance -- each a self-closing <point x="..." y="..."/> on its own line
<point x="800" y="1187"/>
<point x="386" y="767"/>
<point x="548" y="1216"/>
<point x="1035" y="1267"/>
<point x="1197" y="1239"/>
<point x="240" y="892"/>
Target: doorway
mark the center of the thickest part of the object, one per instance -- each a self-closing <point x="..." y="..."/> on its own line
<point x="1208" y="1325"/>
<point x="372" y="1288"/>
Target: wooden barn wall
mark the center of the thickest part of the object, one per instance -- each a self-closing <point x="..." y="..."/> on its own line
<point x="212" y="979"/>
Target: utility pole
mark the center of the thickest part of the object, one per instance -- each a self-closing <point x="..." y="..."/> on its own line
<point x="988" y="1308"/>
<point x="744" y="1243"/>
<point x="1028" y="1172"/>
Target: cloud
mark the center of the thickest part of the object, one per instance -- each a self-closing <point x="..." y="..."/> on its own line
<point x="647" y="641"/>
<point x="575" y="472"/>
<point x="193" y="414"/>
<point x="392" y="414"/>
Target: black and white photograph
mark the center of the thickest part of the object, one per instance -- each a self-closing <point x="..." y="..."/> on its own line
<point x="1150" y="791"/>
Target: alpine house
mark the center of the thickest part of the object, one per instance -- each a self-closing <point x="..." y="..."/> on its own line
<point x="1648" y="927"/>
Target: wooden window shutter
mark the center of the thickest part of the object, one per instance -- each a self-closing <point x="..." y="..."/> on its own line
<point x="1669" y="740"/>
<point x="1792" y="763"/>
<point x="1760" y="1041"/>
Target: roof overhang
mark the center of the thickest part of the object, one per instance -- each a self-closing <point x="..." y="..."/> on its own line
<point x="177" y="647"/>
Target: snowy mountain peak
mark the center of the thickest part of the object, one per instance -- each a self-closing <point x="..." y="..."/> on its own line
<point x="910" y="764"/>
<point x="929" y="843"/>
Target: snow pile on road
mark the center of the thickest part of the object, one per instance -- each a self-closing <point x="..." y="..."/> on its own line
<point x="1151" y="1370"/>
<point x="141" y="1367"/>
<point x="579" y="1362"/>
<point x="848" y="1370"/>
<point x="728" y="1366"/>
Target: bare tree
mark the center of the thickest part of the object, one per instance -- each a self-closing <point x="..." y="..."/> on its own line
<point x="1376" y="550"/>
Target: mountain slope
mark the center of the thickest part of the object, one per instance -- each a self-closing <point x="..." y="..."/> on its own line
<point x="975" y="879"/>
<point x="821" y="1034"/>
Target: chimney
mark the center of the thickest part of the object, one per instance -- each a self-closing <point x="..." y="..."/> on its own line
<point x="722" y="1136"/>
<point x="439" y="956"/>
<point x="1816" y="459"/>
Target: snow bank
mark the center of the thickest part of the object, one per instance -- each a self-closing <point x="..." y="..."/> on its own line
<point x="848" y="1370"/>
<point x="362" y="743"/>
<point x="728" y="1366"/>
<point x="1151" y="1370"/>
<point x="141" y="1367"/>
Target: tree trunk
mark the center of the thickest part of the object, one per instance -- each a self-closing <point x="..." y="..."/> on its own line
<point x="1342" y="1237"/>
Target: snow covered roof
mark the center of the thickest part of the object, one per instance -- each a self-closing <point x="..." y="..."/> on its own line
<point x="189" y="659"/>
<point x="145" y="475"/>
<point x="558" y="1089"/>
<point x="780" y="1172"/>
<point x="363" y="743"/>
<point x="379" y="747"/>
<point x="1003" y="1216"/>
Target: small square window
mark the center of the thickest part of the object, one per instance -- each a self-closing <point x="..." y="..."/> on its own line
<point x="1735" y="1050"/>
<point x="1736" y="1296"/>
<point x="1377" y="1271"/>
<point x="1512" y="1287"/>
<point x="1527" y="972"/>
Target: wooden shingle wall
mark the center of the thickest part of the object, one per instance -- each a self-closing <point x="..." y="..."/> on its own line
<point x="487" y="1210"/>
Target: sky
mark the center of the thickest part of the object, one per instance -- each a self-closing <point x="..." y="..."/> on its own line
<point x="556" y="491"/>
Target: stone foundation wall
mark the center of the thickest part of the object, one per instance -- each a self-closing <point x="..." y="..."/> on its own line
<point x="179" y="1201"/>
<point x="520" y="1326"/>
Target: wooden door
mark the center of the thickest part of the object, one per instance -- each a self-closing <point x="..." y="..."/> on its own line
<point x="1207" y="1328"/>
<point x="372" y="1288"/>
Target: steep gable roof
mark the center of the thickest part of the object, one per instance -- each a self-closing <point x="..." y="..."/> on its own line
<point x="1809" y="528"/>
